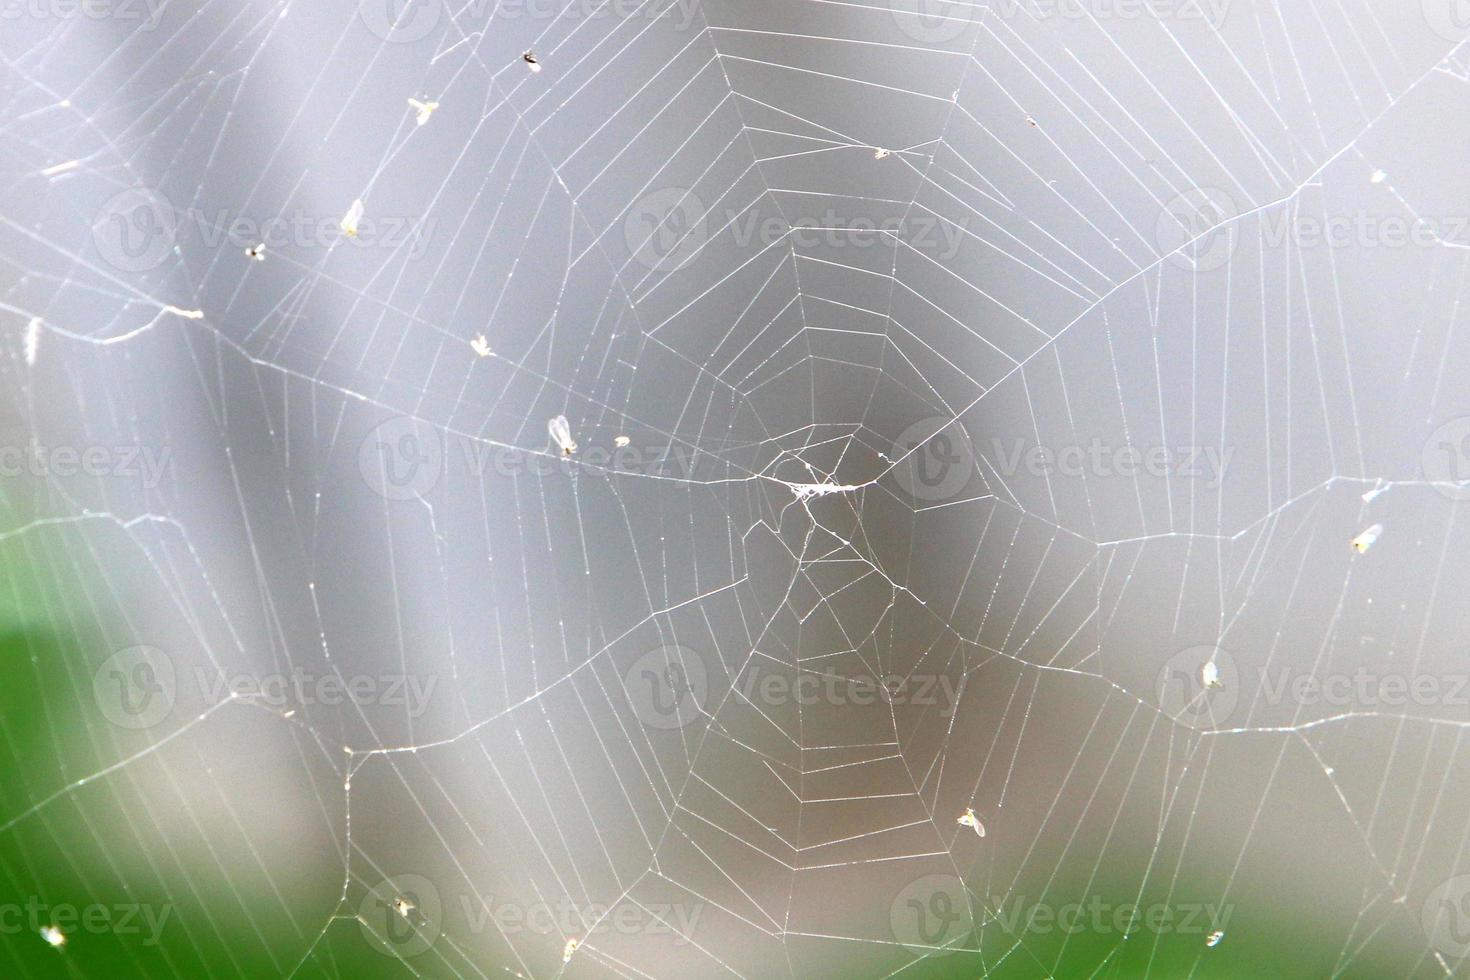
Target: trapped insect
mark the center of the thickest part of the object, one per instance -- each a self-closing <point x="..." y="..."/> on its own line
<point x="621" y="441"/>
<point x="53" y="936"/>
<point x="561" y="434"/>
<point x="1209" y="675"/>
<point x="968" y="819"/>
<point x="31" y="343"/>
<point x="879" y="153"/>
<point x="425" y="110"/>
<point x="351" y="219"/>
<point x="569" y="949"/>
<point x="1366" y="540"/>
<point x="256" y="252"/>
<point x="480" y="345"/>
<point x="530" y="59"/>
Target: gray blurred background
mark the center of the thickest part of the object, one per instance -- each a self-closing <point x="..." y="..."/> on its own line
<point x="1050" y="415"/>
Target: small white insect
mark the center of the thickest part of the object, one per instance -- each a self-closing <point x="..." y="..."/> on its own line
<point x="1379" y="176"/>
<point x="32" y="340"/>
<point x="879" y="153"/>
<point x="351" y="218"/>
<point x="1365" y="540"/>
<point x="256" y="252"/>
<point x="425" y="110"/>
<point x="621" y="441"/>
<point x="530" y="59"/>
<point x="1371" y="494"/>
<point x="54" y="936"/>
<point x="1209" y="675"/>
<point x="404" y="907"/>
<point x="569" y="949"/>
<point x="1213" y="939"/>
<point x="968" y="819"/>
<point x="561" y="434"/>
<point x="480" y="345"/>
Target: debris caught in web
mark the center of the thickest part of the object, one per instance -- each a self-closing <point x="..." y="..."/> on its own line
<point x="351" y="219"/>
<point x="424" y="110"/>
<point x="1366" y="540"/>
<point x="968" y="819"/>
<point x="561" y="434"/>
<point x="32" y="340"/>
<point x="1209" y="675"/>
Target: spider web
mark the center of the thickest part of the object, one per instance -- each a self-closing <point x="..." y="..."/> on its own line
<point x="713" y="702"/>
